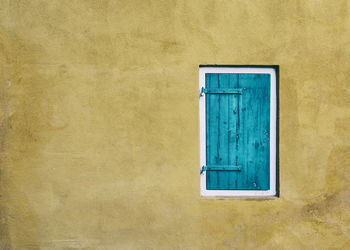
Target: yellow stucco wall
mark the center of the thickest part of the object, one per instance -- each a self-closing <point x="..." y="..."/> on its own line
<point x="100" y="131"/>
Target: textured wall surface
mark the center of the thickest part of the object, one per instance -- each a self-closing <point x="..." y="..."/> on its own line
<point x="100" y="132"/>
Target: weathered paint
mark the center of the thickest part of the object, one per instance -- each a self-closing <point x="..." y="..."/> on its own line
<point x="237" y="131"/>
<point x="222" y="91"/>
<point x="99" y="123"/>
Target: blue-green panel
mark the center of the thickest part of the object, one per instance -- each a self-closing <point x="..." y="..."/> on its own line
<point x="237" y="133"/>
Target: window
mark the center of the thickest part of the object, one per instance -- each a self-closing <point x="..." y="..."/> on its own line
<point x="238" y="131"/>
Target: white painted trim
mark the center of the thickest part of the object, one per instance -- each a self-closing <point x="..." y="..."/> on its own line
<point x="273" y="116"/>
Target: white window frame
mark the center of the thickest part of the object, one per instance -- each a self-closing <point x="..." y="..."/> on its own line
<point x="272" y="192"/>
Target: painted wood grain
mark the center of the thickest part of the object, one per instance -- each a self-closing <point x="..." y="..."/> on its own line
<point x="238" y="131"/>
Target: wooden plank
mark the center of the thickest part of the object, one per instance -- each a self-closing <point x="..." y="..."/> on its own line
<point x="232" y="82"/>
<point x="254" y="145"/>
<point x="222" y="90"/>
<point x="221" y="168"/>
<point x="212" y="133"/>
<point x="223" y="150"/>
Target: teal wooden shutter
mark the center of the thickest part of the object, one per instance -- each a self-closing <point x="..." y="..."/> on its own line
<point x="237" y="131"/>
